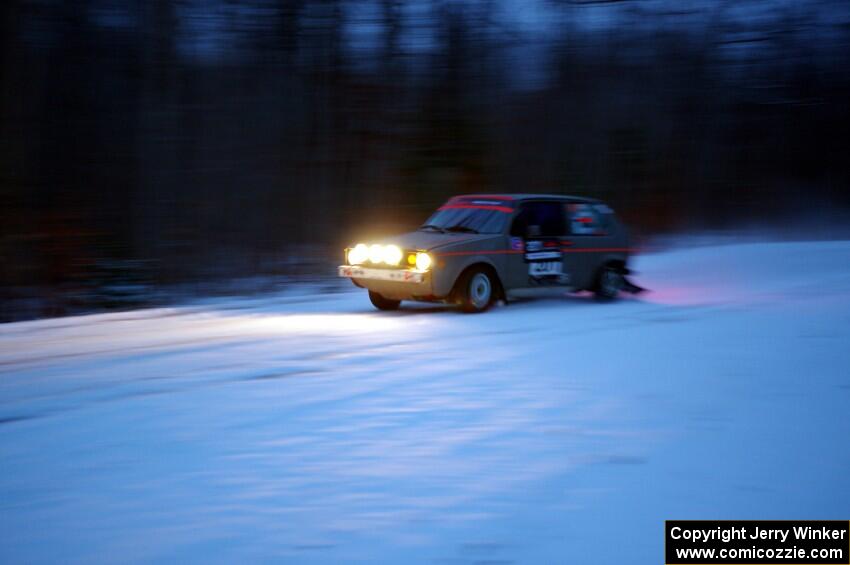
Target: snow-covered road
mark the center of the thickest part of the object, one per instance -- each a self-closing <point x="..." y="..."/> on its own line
<point x="311" y="429"/>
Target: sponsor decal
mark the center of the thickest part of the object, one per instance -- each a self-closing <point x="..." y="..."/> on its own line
<point x="541" y="255"/>
<point x="516" y="244"/>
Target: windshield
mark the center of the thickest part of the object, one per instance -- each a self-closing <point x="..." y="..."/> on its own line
<point x="467" y="220"/>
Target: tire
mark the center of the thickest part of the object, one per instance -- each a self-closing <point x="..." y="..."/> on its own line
<point x="609" y="282"/>
<point x="382" y="303"/>
<point x="476" y="290"/>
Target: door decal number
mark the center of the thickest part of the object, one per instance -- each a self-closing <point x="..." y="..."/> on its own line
<point x="545" y="265"/>
<point x="544" y="268"/>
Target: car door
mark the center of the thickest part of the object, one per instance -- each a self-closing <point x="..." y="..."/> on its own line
<point x="538" y="235"/>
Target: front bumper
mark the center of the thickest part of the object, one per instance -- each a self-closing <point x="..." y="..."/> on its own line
<point x="397" y="284"/>
<point x="366" y="274"/>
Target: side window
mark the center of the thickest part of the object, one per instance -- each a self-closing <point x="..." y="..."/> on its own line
<point x="587" y="219"/>
<point x="548" y="216"/>
<point x="520" y="224"/>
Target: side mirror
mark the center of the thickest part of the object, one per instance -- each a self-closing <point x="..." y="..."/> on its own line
<point x="532" y="231"/>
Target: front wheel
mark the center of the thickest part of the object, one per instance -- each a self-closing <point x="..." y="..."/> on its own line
<point x="382" y="303"/>
<point x="608" y="283"/>
<point x="476" y="291"/>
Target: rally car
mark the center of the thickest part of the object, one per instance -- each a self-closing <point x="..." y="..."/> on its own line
<point x="480" y="248"/>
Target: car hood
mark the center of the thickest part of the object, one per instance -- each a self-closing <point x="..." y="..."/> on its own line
<point x="428" y="240"/>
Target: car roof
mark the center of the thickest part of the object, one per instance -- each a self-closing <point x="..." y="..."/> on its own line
<point x="522" y="196"/>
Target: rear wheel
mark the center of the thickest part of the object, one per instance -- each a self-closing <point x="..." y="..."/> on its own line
<point x="476" y="290"/>
<point x="608" y="283"/>
<point x="382" y="303"/>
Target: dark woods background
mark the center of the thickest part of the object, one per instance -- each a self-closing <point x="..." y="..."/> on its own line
<point x="152" y="146"/>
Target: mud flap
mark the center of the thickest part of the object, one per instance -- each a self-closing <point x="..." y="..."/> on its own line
<point x="630" y="287"/>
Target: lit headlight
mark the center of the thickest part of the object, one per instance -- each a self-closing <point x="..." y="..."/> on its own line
<point x="392" y="255"/>
<point x="376" y="253"/>
<point x="423" y="261"/>
<point x="358" y="254"/>
<point x="388" y="254"/>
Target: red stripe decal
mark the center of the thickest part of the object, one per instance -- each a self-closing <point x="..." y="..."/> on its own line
<point x="515" y="251"/>
<point x="477" y="206"/>
<point x="494" y="252"/>
<point x="483" y="196"/>
<point x="600" y="250"/>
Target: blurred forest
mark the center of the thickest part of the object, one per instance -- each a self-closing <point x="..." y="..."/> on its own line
<point x="150" y="144"/>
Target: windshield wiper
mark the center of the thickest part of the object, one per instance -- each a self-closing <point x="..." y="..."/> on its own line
<point x="463" y="229"/>
<point x="433" y="227"/>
